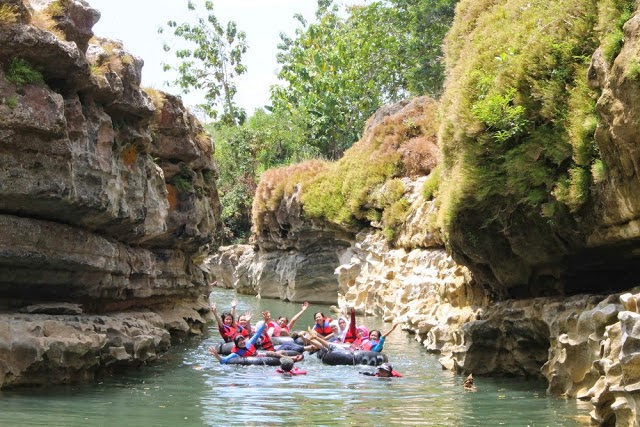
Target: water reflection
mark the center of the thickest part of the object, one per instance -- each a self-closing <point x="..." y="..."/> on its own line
<point x="190" y="388"/>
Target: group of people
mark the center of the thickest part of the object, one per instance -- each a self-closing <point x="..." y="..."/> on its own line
<point x="325" y="335"/>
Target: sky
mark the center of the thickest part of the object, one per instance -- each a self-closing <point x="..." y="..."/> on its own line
<point x="136" y="23"/>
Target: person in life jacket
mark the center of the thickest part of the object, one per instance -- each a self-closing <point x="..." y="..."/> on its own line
<point x="244" y="324"/>
<point x="286" y="326"/>
<point x="374" y="342"/>
<point x="362" y="334"/>
<point x="272" y="329"/>
<point x="384" y="371"/>
<point x="247" y="348"/>
<point x="348" y="329"/>
<point x="287" y="367"/>
<point x="322" y="324"/>
<point x="227" y="325"/>
<point x="242" y="347"/>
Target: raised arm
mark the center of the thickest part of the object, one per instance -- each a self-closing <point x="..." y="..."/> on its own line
<point x="247" y="315"/>
<point x="378" y="347"/>
<point x="295" y="318"/>
<point x="214" y="353"/>
<point x="214" y="310"/>
<point x="261" y="327"/>
<point x="234" y="303"/>
<point x="390" y="330"/>
<point x="351" y="332"/>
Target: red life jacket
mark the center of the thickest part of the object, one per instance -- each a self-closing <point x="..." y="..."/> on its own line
<point x="368" y="344"/>
<point x="244" y="352"/>
<point x="357" y="344"/>
<point x="242" y="331"/>
<point x="294" y="371"/>
<point x="227" y="332"/>
<point x="324" y="329"/>
<point x="393" y="374"/>
<point x="265" y="340"/>
<point x="349" y="337"/>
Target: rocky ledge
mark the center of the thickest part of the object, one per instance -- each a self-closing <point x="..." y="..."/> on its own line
<point x="108" y="204"/>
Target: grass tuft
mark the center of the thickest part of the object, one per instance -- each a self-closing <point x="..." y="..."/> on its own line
<point x="22" y="73"/>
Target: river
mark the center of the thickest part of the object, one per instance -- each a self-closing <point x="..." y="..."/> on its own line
<point x="189" y="388"/>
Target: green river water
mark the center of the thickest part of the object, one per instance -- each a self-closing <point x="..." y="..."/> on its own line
<point x="189" y="388"/>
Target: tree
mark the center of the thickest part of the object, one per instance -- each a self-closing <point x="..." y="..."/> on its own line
<point x="339" y="70"/>
<point x="426" y="23"/>
<point x="211" y="62"/>
<point x="243" y="153"/>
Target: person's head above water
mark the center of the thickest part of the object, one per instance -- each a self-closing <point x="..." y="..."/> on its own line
<point x="286" y="364"/>
<point x="385" y="370"/>
<point x="239" y="341"/>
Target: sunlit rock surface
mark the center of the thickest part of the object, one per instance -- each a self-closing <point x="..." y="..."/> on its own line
<point x="108" y="203"/>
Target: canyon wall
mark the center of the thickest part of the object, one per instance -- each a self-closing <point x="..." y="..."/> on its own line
<point x="108" y="203"/>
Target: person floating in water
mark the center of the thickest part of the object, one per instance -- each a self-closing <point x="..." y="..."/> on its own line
<point x="374" y="341"/>
<point x="384" y="371"/>
<point x="468" y="384"/>
<point x="287" y="367"/>
<point x="247" y="348"/>
<point x="286" y="326"/>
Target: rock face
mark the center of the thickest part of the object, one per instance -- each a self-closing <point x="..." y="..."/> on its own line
<point x="583" y="345"/>
<point x="107" y="202"/>
<point x="555" y="299"/>
<point x="295" y="262"/>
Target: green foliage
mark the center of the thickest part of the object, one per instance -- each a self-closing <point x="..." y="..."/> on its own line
<point x="340" y="70"/>
<point x="633" y="70"/>
<point x="430" y="186"/>
<point x="615" y="14"/>
<point x="394" y="216"/>
<point x="518" y="116"/>
<point x="21" y="73"/>
<point x="244" y="152"/>
<point x="426" y="22"/>
<point x="598" y="171"/>
<point x="183" y="181"/>
<point x="211" y="62"/>
<point x="573" y="190"/>
<point x="393" y="191"/>
<point x="12" y="102"/>
<point x="276" y="184"/>
<point x="57" y="8"/>
<point x="498" y="113"/>
<point x="342" y="194"/>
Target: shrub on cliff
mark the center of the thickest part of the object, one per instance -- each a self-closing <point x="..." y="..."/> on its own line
<point x="22" y="73"/>
<point x="279" y="183"/>
<point x="361" y="188"/>
<point x="519" y="118"/>
<point x="345" y="193"/>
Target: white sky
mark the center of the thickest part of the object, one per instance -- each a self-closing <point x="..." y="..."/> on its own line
<point x="136" y="23"/>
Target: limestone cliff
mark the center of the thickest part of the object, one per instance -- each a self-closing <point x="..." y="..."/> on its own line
<point x="108" y="203"/>
<point x="510" y="247"/>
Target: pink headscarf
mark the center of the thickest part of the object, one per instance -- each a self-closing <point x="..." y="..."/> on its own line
<point x="364" y="330"/>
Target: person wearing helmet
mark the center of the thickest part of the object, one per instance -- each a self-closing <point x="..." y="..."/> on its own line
<point x="384" y="371"/>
